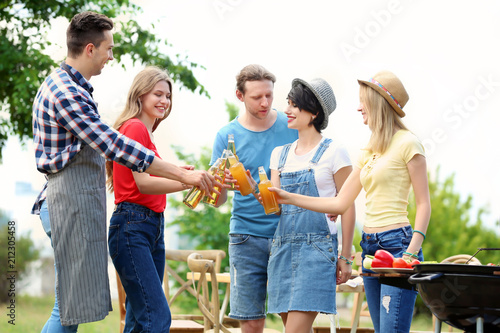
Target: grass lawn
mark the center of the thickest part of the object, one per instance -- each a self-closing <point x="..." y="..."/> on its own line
<point x="33" y="312"/>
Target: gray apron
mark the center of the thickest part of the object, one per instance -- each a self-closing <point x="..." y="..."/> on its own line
<point x="77" y="208"/>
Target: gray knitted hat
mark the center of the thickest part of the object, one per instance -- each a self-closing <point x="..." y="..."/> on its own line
<point x="324" y="93"/>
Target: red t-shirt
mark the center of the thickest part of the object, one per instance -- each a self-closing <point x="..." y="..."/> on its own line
<point x="123" y="181"/>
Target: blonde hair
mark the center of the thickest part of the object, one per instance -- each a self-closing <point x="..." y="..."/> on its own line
<point x="144" y="82"/>
<point x="383" y="121"/>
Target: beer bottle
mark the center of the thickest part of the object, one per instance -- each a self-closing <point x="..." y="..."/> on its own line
<point x="268" y="198"/>
<point x="239" y="173"/>
<point x="216" y="169"/>
<point x="231" y="147"/>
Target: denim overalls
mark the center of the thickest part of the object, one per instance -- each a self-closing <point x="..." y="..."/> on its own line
<point x="303" y="261"/>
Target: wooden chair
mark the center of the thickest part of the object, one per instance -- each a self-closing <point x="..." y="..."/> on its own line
<point x="180" y="322"/>
<point x="183" y="320"/>
<point x="207" y="295"/>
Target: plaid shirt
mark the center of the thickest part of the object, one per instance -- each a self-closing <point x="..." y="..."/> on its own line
<point x="65" y="117"/>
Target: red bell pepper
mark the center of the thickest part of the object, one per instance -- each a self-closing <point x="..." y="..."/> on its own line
<point x="382" y="258"/>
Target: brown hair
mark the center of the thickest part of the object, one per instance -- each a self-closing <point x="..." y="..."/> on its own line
<point x="143" y="83"/>
<point x="85" y="28"/>
<point x="253" y="73"/>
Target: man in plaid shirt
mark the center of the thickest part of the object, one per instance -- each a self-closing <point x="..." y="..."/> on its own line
<point x="71" y="145"/>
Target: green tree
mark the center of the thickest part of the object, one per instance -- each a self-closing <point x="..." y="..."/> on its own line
<point x="24" y="63"/>
<point x="451" y="229"/>
<point x="16" y="253"/>
<point x="205" y="227"/>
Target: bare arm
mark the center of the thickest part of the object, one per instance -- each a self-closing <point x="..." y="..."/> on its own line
<point x="337" y="205"/>
<point x="147" y="184"/>
<point x="168" y="170"/>
<point x="348" y="223"/>
<point x="417" y="167"/>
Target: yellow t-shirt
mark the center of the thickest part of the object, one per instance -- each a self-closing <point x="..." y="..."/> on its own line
<point x="386" y="180"/>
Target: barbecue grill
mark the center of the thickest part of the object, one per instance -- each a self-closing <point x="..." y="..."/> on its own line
<point x="464" y="296"/>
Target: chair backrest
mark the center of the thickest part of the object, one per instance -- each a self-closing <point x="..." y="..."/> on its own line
<point x="181" y="256"/>
<point x="462" y="259"/>
<point x="208" y="298"/>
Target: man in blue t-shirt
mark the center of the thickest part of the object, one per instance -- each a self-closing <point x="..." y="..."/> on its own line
<point x="256" y="133"/>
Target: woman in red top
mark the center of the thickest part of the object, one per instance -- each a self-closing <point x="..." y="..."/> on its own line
<point x="136" y="243"/>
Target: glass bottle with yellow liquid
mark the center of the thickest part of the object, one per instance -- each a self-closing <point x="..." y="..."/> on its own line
<point x="238" y="172"/>
<point x="193" y="197"/>
<point x="218" y="169"/>
<point x="231" y="147"/>
<point x="268" y="198"/>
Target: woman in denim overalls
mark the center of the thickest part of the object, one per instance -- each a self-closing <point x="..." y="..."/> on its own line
<point x="392" y="162"/>
<point x="303" y="264"/>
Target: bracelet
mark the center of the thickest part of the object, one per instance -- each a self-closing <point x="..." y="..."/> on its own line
<point x="256" y="189"/>
<point x="349" y="262"/>
<point x="413" y="255"/>
<point x="420" y="232"/>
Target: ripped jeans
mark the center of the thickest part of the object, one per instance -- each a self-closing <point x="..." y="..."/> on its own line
<point x="391" y="308"/>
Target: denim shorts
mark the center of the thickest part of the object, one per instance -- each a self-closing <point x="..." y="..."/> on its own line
<point x="248" y="258"/>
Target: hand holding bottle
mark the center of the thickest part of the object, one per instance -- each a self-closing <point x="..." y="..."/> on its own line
<point x="241" y="175"/>
<point x="217" y="169"/>
<point x="282" y="196"/>
<point x="197" y="192"/>
<point x="201" y="179"/>
<point x="229" y="180"/>
<point x="268" y="199"/>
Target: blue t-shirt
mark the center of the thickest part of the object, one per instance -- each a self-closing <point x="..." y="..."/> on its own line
<point x="253" y="149"/>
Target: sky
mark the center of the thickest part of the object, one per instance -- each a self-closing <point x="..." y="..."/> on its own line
<point x="445" y="53"/>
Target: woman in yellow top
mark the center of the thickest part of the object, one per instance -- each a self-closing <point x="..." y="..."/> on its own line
<point x="393" y="161"/>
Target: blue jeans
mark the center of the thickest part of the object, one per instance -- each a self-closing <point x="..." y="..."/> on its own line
<point x="53" y="324"/>
<point x="391" y="308"/>
<point x="137" y="248"/>
<point x="248" y="258"/>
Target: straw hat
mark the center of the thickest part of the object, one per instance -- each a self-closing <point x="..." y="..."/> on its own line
<point x="324" y="93"/>
<point x="390" y="87"/>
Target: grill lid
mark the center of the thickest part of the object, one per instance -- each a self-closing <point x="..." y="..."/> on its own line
<point x="458" y="269"/>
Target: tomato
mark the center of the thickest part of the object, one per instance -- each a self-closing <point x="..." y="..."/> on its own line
<point x="413" y="263"/>
<point x="399" y="263"/>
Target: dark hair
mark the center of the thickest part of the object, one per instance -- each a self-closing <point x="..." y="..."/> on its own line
<point x="253" y="73"/>
<point x="85" y="28"/>
<point x="305" y="100"/>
